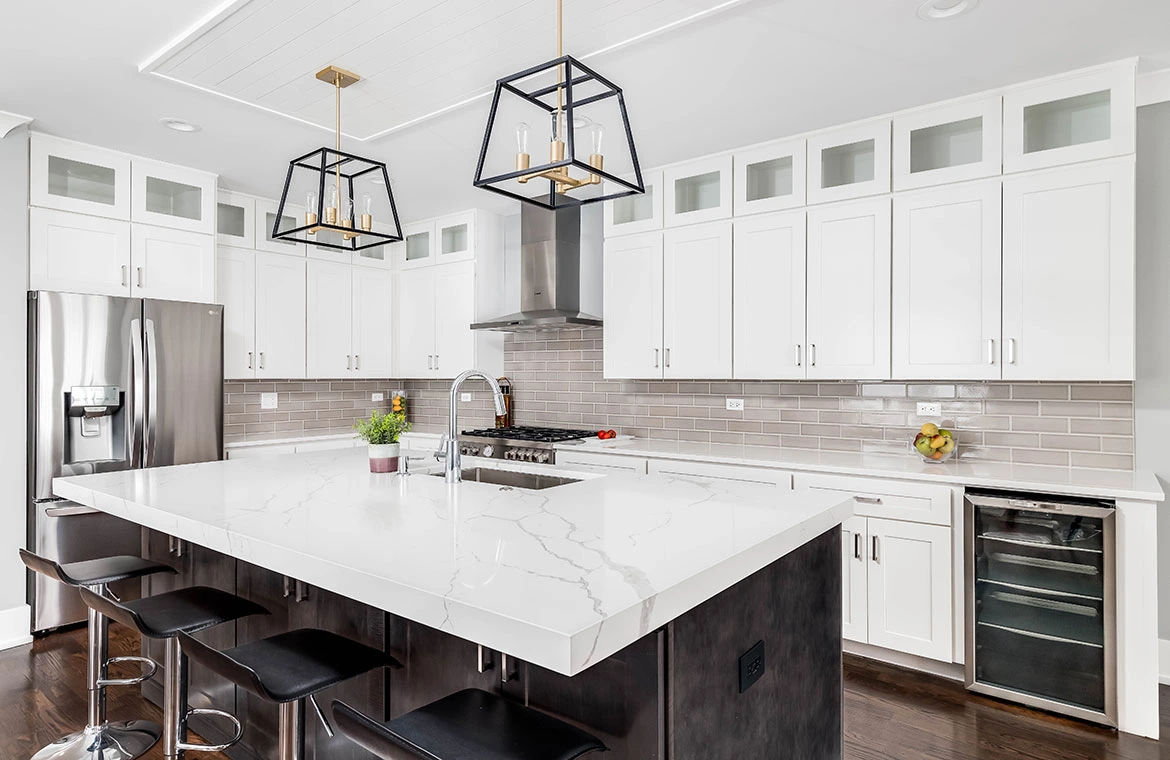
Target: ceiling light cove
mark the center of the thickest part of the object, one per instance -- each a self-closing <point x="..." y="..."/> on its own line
<point x="938" y="10"/>
<point x="179" y="125"/>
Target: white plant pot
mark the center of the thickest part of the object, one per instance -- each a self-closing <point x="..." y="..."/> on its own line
<point x="383" y="457"/>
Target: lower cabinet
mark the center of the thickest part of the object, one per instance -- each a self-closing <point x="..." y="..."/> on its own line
<point x="588" y="461"/>
<point x="730" y="472"/>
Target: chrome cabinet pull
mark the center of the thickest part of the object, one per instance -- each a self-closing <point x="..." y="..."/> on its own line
<point x="249" y="360"/>
<point x="348" y="362"/>
<point x="857" y="546"/>
<point x="429" y="362"/>
<point x="1011" y="350"/>
<point x="436" y="361"/>
<point x="125" y="274"/>
<point x="261" y="360"/>
<point x="287" y="583"/>
<point x="875" y="549"/>
<point x="991" y="350"/>
<point x="656" y="358"/>
<point x="357" y="361"/>
<point x="140" y="277"/>
<point x="301" y="591"/>
<point x="668" y="357"/>
<point x="798" y="354"/>
<point x="170" y="544"/>
<point x="812" y="354"/>
<point x="868" y="499"/>
<point x="178" y="547"/>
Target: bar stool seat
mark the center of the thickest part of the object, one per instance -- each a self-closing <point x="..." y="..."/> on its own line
<point x="95" y="572"/>
<point x="468" y="725"/>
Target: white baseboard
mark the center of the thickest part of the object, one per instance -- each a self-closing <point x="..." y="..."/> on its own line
<point x="950" y="670"/>
<point x="14" y="627"/>
<point x="1164" y="661"/>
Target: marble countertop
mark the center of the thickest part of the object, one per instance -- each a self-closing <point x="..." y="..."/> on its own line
<point x="561" y="578"/>
<point x="1110" y="484"/>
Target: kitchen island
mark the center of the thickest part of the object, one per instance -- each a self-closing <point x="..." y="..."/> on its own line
<point x="623" y="603"/>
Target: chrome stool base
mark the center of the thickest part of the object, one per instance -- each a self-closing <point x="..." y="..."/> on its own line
<point x="113" y="741"/>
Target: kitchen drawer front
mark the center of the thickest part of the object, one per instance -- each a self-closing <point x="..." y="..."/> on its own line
<point x="588" y="461"/>
<point x="888" y="499"/>
<point x="734" y="472"/>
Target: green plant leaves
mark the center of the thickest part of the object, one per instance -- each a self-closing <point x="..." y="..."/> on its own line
<point x="382" y="428"/>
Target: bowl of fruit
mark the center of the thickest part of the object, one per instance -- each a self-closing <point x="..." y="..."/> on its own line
<point x="934" y="443"/>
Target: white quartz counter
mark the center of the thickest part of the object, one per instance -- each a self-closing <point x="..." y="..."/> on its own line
<point x="1111" y="484"/>
<point x="561" y="578"/>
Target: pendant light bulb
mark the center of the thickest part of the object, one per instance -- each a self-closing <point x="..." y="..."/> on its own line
<point x="596" y="134"/>
<point x="331" y="208"/>
<point x="523" y="160"/>
<point x="311" y="212"/>
<point x="367" y="212"/>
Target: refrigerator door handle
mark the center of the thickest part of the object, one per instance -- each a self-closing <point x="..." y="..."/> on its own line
<point x="137" y="394"/>
<point x="151" y="393"/>
<point x="70" y="511"/>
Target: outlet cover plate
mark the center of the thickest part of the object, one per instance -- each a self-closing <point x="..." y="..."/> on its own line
<point x="751" y="666"/>
<point x="735" y="405"/>
<point x="267" y="400"/>
<point x="377" y="396"/>
<point x="929" y="409"/>
<point x="465" y="397"/>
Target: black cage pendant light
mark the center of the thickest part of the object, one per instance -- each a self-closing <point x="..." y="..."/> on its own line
<point x="573" y="102"/>
<point x="348" y="203"/>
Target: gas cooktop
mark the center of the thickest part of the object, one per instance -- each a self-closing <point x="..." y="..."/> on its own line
<point x="531" y="434"/>
<point x="525" y="444"/>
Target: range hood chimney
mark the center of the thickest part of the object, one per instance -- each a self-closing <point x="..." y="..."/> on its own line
<point x="554" y="269"/>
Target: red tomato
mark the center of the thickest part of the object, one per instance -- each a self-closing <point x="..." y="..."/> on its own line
<point x="610" y="434"/>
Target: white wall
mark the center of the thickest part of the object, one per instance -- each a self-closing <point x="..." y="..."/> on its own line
<point x="1152" y="389"/>
<point x="14" y="621"/>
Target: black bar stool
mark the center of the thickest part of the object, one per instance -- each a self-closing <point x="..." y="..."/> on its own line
<point x="467" y="724"/>
<point x="101" y="739"/>
<point x="166" y="616"/>
<point x="288" y="669"/>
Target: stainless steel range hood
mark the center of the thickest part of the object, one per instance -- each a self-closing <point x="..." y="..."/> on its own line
<point x="558" y="268"/>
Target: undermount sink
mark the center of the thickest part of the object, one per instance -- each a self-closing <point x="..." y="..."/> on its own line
<point x="529" y="481"/>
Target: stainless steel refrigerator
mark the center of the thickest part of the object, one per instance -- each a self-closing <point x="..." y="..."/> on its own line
<point x="114" y="384"/>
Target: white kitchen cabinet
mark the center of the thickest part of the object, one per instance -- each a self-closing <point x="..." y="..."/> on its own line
<point x="373" y="315"/>
<point x="235" y="220"/>
<point x="699" y="191"/>
<point x="854" y="579"/>
<point x="280" y="316"/>
<point x="951" y="143"/>
<point x="946" y="304"/>
<point x="848" y="287"/>
<point x="769" y="287"/>
<point x="696" y="301"/>
<point x="266" y="221"/>
<point x="235" y="275"/>
<point x="76" y="253"/>
<point x="633" y="306"/>
<point x="172" y="196"/>
<point x="455" y="237"/>
<point x="588" y="461"/>
<point x="851" y="162"/>
<point x="376" y="257"/>
<point x="170" y="264"/>
<point x="634" y="214"/>
<point x="435" y="309"/>
<point x="454" y="314"/>
<point x="1079" y="117"/>
<point x="418" y="245"/>
<point x="890" y="499"/>
<point x="1068" y="273"/>
<point x="707" y="471"/>
<point x="329" y="319"/>
<point x="414" y="335"/>
<point x="70" y="176"/>
<point x="769" y="178"/>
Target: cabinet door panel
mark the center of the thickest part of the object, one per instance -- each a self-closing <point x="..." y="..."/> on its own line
<point x="854" y="579"/>
<point x="696" y="301"/>
<point x="414" y="323"/>
<point x="1068" y="273"/>
<point x="633" y="306"/>
<point x="849" y="291"/>
<point x="78" y="254"/>
<point x="81" y="178"/>
<point x="454" y="313"/>
<point x="947" y="283"/>
<point x="173" y="265"/>
<point x="373" y="315"/>
<point x="329" y="320"/>
<point x="171" y="196"/>
<point x="280" y="316"/>
<point x="910" y="588"/>
<point x="235" y="275"/>
<point x="769" y="306"/>
<point x="697" y="192"/>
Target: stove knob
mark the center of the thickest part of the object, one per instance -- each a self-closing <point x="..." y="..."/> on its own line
<point x="542" y="457"/>
<point x="464" y="450"/>
<point x="527" y="455"/>
<point x="488" y="450"/>
<point x="509" y="454"/>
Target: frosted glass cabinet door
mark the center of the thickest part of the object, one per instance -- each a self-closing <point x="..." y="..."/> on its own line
<point x="849" y="291"/>
<point x="849" y="163"/>
<point x="951" y="143"/>
<point x="1068" y="273"/>
<point x="70" y="176"/>
<point x="174" y="265"/>
<point x="172" y="196"/>
<point x="635" y="214"/>
<point x="633" y="306"/>
<point x="235" y="276"/>
<point x="696" y="301"/>
<point x="947" y="283"/>
<point x="1069" y="120"/>
<point x="76" y="253"/>
<point x="235" y="220"/>
<point x="697" y="192"/>
<point x="266" y="221"/>
<point x="455" y="238"/>
<point x="768" y="282"/>
<point x="418" y="245"/>
<point x="771" y="178"/>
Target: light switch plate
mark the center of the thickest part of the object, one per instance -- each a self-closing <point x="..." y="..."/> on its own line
<point x="267" y="400"/>
<point x="929" y="409"/>
<point x="465" y="397"/>
<point x="377" y="397"/>
<point x="735" y="405"/>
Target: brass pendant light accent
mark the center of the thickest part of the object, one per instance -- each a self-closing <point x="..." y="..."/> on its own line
<point x="335" y="185"/>
<point x="581" y="94"/>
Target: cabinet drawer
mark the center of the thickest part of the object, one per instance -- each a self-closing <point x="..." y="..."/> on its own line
<point x="588" y="461"/>
<point x="705" y="471"/>
<point x="896" y="500"/>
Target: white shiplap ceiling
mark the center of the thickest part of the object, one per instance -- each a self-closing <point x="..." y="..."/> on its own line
<point x="417" y="58"/>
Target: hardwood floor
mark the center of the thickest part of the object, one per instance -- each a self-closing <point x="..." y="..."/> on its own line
<point x="890" y="714"/>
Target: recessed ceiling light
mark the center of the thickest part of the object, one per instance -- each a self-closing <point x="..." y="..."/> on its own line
<point x="179" y="125"/>
<point x="936" y="10"/>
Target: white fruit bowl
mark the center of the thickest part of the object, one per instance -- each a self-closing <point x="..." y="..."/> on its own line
<point x="933" y="460"/>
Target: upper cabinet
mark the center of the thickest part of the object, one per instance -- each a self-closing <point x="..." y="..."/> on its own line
<point x="768" y="284"/>
<point x="1068" y="273"/>
<point x="951" y="143"/>
<point x="638" y="213"/>
<point x="696" y="301"/>
<point x="455" y="237"/>
<point x="418" y="245"/>
<point x="849" y="163"/>
<point x="699" y="191"/>
<point x="770" y="178"/>
<point x="633" y="306"/>
<point x="172" y="196"/>
<point x="172" y="265"/>
<point x="266" y="222"/>
<point x="80" y="178"/>
<point x="77" y="253"/>
<point x="235" y="220"/>
<point x="1081" y="117"/>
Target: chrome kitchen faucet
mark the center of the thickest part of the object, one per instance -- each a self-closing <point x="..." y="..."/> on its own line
<point x="449" y="446"/>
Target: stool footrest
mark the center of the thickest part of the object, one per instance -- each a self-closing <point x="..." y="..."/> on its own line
<point x="150" y="667"/>
<point x="212" y="747"/>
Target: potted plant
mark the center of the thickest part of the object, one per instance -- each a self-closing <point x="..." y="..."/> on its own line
<point x="381" y="432"/>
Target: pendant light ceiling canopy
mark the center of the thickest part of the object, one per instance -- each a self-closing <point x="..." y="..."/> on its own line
<point x="348" y="203"/>
<point x="572" y="112"/>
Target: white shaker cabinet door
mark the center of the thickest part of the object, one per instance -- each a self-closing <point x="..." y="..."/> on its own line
<point x="454" y="314"/>
<point x="910" y="590"/>
<point x="414" y="323"/>
<point x="235" y="276"/>
<point x="373" y="315"/>
<point x="74" y="253"/>
<point x="280" y="316"/>
<point x="947" y="283"/>
<point x="633" y="306"/>
<point x="696" y="301"/>
<point x="174" y="265"/>
<point x="1068" y="273"/>
<point x="329" y="323"/>
<point x="854" y="582"/>
<point x="768" y="321"/>
<point x="849" y="291"/>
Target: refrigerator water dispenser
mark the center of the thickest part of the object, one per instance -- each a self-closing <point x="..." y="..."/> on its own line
<point x="95" y="429"/>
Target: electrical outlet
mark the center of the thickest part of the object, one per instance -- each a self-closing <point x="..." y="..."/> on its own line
<point x="267" y="400"/>
<point x="377" y="397"/>
<point x="751" y="667"/>
<point x="735" y="405"/>
<point x="465" y="397"/>
<point x="928" y="409"/>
